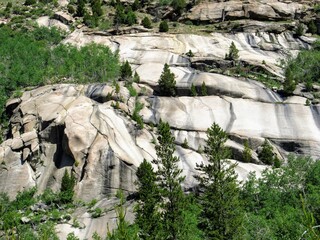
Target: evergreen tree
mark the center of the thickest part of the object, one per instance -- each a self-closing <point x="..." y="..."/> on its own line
<point x="178" y="6"/>
<point x="204" y="91"/>
<point x="169" y="180"/>
<point x="312" y="27"/>
<point x="136" y="5"/>
<point x="193" y="90"/>
<point x="146" y="22"/>
<point x="221" y="215"/>
<point x="96" y="8"/>
<point x="123" y="227"/>
<point x="147" y="216"/>
<point x="131" y="17"/>
<point x="167" y="84"/>
<point x="136" y="77"/>
<point x="126" y="71"/>
<point x="163" y="27"/>
<point x="246" y="154"/>
<point x="67" y="184"/>
<point x="266" y="155"/>
<point x="233" y="52"/>
<point x="289" y="84"/>
<point x="80" y="8"/>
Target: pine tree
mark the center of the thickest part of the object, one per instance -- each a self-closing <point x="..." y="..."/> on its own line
<point x="96" y="8"/>
<point x="163" y="27"/>
<point x="233" y="52"/>
<point x="123" y="227"/>
<point x="221" y="215"/>
<point x="136" y="77"/>
<point x="178" y="6"/>
<point x="169" y="180"/>
<point x="147" y="216"/>
<point x="67" y="184"/>
<point x="126" y="71"/>
<point x="167" y="84"/>
<point x="246" y="154"/>
<point x="80" y="8"/>
<point x="266" y="155"/>
<point x="204" y="91"/>
<point x="193" y="90"/>
<point x="146" y="22"/>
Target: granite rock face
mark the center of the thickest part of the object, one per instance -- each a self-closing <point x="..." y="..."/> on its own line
<point x="89" y="128"/>
<point x="217" y="11"/>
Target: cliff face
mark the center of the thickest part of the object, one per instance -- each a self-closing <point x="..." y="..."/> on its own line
<point x="81" y="126"/>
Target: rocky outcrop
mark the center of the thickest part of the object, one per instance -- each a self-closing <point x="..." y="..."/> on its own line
<point x="89" y="129"/>
<point x="254" y="10"/>
<point x="78" y="126"/>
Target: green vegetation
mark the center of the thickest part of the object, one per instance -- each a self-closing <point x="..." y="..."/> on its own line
<point x="193" y="90"/>
<point x="303" y="69"/>
<point x="221" y="216"/>
<point x="67" y="184"/>
<point x="136" y="116"/>
<point x="147" y="215"/>
<point x="146" y="23"/>
<point x="163" y="27"/>
<point x="233" y="53"/>
<point x="169" y="179"/>
<point x="32" y="216"/>
<point x="246" y="154"/>
<point x="278" y="203"/>
<point x="35" y="58"/>
<point x="204" y="91"/>
<point x="167" y="84"/>
<point x="267" y="156"/>
<point x="125" y="70"/>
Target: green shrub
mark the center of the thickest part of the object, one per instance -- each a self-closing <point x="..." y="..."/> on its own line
<point x="125" y="70"/>
<point x="131" y="17"/>
<point x="185" y="144"/>
<point x="299" y="30"/>
<point x="193" y="90"/>
<point x="67" y="184"/>
<point x="312" y="28"/>
<point x="146" y="22"/>
<point x="132" y="90"/>
<point x="233" y="53"/>
<point x="163" y="27"/>
<point x="136" y="77"/>
<point x="71" y="9"/>
<point x="30" y="2"/>
<point x="97" y="212"/>
<point x="204" y="91"/>
<point x="136" y="116"/>
<point x="190" y="53"/>
<point x="246" y="154"/>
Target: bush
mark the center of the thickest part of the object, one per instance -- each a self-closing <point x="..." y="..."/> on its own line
<point x="71" y="9"/>
<point x="312" y="28"/>
<point x="30" y="2"/>
<point x="163" y="27"/>
<point x="136" y="116"/>
<point x="146" y="22"/>
<point x="190" y="53"/>
<point x="299" y="30"/>
<point x="97" y="212"/>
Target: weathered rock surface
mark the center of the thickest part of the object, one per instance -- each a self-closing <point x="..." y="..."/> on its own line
<point x="251" y="9"/>
<point x="76" y="126"/>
